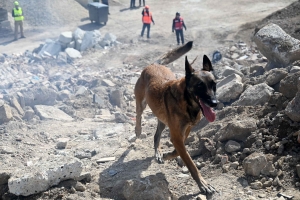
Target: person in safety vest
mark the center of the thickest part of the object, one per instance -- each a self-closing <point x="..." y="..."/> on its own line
<point x="17" y="14"/>
<point x="147" y="19"/>
<point x="178" y="25"/>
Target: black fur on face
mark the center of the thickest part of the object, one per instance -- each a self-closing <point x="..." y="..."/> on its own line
<point x="201" y="85"/>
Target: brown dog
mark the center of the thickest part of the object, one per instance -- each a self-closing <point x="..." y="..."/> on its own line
<point x="177" y="104"/>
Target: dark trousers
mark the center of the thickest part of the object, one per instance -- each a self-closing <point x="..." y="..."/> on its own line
<point x="148" y="30"/>
<point x="132" y="3"/>
<point x="106" y="3"/>
<point x="179" y="33"/>
<point x="141" y="2"/>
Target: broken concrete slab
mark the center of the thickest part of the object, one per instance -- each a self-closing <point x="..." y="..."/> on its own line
<point x="14" y="102"/>
<point x="5" y="114"/>
<point x="65" y="38"/>
<point x="90" y="39"/>
<point x="73" y="53"/>
<point x="51" y="113"/>
<point x="106" y="82"/>
<point x="280" y="48"/>
<point x="46" y="172"/>
<point x="39" y="95"/>
<point x="255" y="95"/>
<point x="50" y="48"/>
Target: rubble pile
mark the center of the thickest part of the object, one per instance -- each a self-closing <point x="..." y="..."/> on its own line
<point x="69" y="46"/>
<point x="255" y="133"/>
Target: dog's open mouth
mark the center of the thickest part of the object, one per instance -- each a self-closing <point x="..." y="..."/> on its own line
<point x="208" y="112"/>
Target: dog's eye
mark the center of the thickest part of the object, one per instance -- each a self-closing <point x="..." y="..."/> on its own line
<point x="200" y="85"/>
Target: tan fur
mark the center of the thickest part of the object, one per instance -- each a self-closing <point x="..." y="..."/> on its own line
<point x="159" y="88"/>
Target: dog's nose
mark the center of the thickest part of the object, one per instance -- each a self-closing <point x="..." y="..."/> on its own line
<point x="214" y="103"/>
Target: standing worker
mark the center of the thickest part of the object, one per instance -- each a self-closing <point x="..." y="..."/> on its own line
<point x="178" y="25"/>
<point x="141" y="2"/>
<point x="132" y="3"/>
<point x="146" y="19"/>
<point x="17" y="14"/>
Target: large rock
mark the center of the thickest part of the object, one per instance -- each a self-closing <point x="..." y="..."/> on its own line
<point x="51" y="113"/>
<point x="116" y="98"/>
<point x="46" y="172"/>
<point x="39" y="96"/>
<point x="232" y="146"/>
<point x="51" y="48"/>
<point x="255" y="95"/>
<point x="14" y="102"/>
<point x="280" y="48"/>
<point x="65" y="38"/>
<point x="64" y="95"/>
<point x="4" y="176"/>
<point x="29" y="113"/>
<point x="228" y="71"/>
<point x="274" y="76"/>
<point x="78" y="34"/>
<point x="154" y="187"/>
<point x="5" y="114"/>
<point x="73" y="53"/>
<point x="254" y="164"/>
<point x="90" y="39"/>
<point x="62" y="58"/>
<point x="110" y="37"/>
<point x="237" y="130"/>
<point x="293" y="109"/>
<point x="288" y="85"/>
<point x="229" y="88"/>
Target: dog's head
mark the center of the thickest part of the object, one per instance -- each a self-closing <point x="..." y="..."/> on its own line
<point x="201" y="86"/>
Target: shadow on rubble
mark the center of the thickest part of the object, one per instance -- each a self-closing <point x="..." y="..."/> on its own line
<point x="124" y="180"/>
<point x="91" y="26"/>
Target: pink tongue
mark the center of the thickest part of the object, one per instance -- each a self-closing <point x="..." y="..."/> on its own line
<point x="208" y="112"/>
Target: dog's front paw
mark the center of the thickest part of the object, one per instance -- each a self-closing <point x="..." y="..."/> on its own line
<point x="158" y="157"/>
<point x="206" y="188"/>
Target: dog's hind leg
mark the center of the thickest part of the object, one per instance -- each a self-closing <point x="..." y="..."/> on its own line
<point x="140" y="106"/>
<point x="160" y="127"/>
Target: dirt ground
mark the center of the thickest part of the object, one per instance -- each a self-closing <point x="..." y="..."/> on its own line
<point x="211" y="24"/>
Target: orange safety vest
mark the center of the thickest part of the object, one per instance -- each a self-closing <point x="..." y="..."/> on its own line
<point x="178" y="23"/>
<point x="147" y="18"/>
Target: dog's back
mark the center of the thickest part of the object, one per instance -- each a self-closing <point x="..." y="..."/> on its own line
<point x="151" y="86"/>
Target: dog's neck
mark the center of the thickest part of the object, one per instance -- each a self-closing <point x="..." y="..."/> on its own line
<point x="193" y="107"/>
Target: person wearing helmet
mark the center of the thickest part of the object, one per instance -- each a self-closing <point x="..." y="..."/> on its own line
<point x="17" y="14"/>
<point x="147" y="19"/>
<point x="178" y="25"/>
<point x="141" y="2"/>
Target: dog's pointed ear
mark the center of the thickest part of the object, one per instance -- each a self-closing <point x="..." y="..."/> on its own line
<point x="188" y="67"/>
<point x="207" y="64"/>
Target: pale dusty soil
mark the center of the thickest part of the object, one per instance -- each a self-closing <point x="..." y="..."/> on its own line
<point x="211" y="24"/>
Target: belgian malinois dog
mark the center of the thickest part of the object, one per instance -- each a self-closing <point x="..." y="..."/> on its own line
<point x="177" y="103"/>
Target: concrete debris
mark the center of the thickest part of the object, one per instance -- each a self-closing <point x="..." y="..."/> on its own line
<point x="51" y="113"/>
<point x="73" y="53"/>
<point x="46" y="172"/>
<point x="5" y="114"/>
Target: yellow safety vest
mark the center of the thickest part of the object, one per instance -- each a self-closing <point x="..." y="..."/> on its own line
<point x="18" y="14"/>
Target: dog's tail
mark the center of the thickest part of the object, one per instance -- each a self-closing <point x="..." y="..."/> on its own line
<point x="174" y="54"/>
